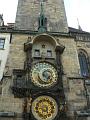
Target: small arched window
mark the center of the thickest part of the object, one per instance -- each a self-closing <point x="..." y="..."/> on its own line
<point x="83" y="63"/>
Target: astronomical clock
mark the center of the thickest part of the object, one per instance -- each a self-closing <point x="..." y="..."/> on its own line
<point x="45" y="95"/>
<point x="44" y="75"/>
<point x="44" y="108"/>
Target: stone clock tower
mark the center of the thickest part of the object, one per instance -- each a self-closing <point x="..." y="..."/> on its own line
<point x="42" y="80"/>
<point x="42" y="68"/>
<point x="28" y="12"/>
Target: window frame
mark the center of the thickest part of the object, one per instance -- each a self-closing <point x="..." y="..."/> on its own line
<point x="37" y="53"/>
<point x="83" y="62"/>
<point x="50" y="52"/>
<point x="2" y="44"/>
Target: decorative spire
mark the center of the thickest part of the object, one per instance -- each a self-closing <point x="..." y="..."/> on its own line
<point x="79" y="27"/>
<point x="42" y="19"/>
<point x="42" y="8"/>
<point x="1" y="20"/>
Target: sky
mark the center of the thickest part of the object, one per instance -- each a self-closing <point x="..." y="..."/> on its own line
<point x="75" y="9"/>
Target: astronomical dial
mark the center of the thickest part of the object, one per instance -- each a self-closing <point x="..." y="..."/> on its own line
<point x="44" y="74"/>
<point x="44" y="108"/>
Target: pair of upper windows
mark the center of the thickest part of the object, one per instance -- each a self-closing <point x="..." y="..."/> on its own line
<point x="2" y="43"/>
<point x="37" y="53"/>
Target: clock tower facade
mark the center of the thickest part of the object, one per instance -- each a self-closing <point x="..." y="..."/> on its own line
<point x="41" y="80"/>
<point x="28" y="12"/>
<point x="42" y="67"/>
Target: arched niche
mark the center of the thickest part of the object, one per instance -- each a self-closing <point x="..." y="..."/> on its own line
<point x="45" y="37"/>
<point x="44" y="46"/>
